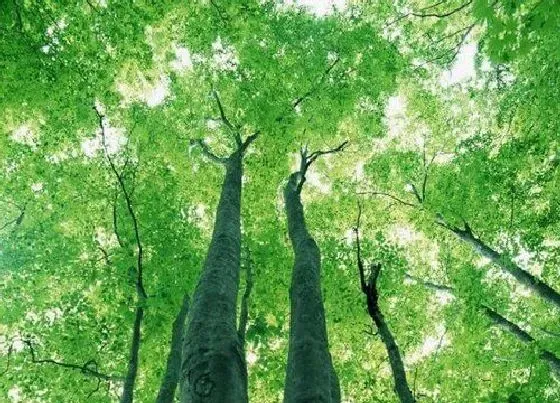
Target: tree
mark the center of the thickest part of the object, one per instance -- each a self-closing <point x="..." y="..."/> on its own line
<point x="214" y="364"/>
<point x="450" y="107"/>
<point x="310" y="374"/>
<point x="368" y="287"/>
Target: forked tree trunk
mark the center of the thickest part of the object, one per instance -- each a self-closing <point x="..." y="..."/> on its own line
<point x="310" y="375"/>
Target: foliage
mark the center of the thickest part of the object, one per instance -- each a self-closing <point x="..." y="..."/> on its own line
<point x="481" y="150"/>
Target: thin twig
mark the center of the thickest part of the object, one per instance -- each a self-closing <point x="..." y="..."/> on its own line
<point x="442" y="15"/>
<point x="207" y="152"/>
<point x="88" y="368"/>
<point x="390" y="196"/>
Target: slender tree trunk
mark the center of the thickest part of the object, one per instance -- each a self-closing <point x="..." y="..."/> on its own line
<point x="498" y="320"/>
<point x="173" y="369"/>
<point x="214" y="367"/>
<point x="550" y="358"/>
<point x="527" y="279"/>
<point x="128" y="389"/>
<point x="310" y="375"/>
<point x="397" y="366"/>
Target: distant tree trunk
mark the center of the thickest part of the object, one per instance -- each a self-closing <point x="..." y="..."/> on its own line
<point x="128" y="388"/>
<point x="527" y="279"/>
<point x="369" y="288"/>
<point x="310" y="375"/>
<point x="550" y="358"/>
<point x="173" y="368"/>
<point x="498" y="320"/>
<point x="397" y="366"/>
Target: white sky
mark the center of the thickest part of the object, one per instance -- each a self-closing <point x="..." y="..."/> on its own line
<point x="462" y="69"/>
<point x="318" y="7"/>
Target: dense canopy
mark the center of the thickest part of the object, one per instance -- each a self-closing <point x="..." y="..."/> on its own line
<point x="433" y="132"/>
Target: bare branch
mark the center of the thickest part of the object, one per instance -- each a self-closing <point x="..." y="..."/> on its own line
<point x="442" y="15"/>
<point x="248" y="141"/>
<point x="429" y="284"/>
<point x="139" y="282"/>
<point x="89" y="368"/>
<point x="370" y="291"/>
<point x="310" y="92"/>
<point x="307" y="160"/>
<point x="207" y="152"/>
<point x="416" y="193"/>
<point x="390" y="196"/>
<point x="18" y="220"/>
<point x="358" y="250"/>
<point x="115" y="225"/>
<point x="226" y="121"/>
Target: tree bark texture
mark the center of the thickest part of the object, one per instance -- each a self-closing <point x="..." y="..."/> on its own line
<point x="310" y="375"/>
<point x="213" y="369"/>
<point x="128" y="389"/>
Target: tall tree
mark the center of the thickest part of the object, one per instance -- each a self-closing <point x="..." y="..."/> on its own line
<point x="214" y="367"/>
<point x="310" y="375"/>
<point x="137" y="271"/>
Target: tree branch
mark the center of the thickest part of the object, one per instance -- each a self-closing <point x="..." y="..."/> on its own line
<point x="128" y="389"/>
<point x="390" y="196"/>
<point x="307" y="160"/>
<point x="139" y="267"/>
<point x="207" y="152"/>
<point x="311" y="91"/>
<point x="225" y="120"/>
<point x="498" y="320"/>
<point x="89" y="368"/>
<point x="369" y="289"/>
<point x="442" y="15"/>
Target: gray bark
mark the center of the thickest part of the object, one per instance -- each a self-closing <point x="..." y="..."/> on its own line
<point x="213" y="369"/>
<point x="173" y="368"/>
<point x="310" y="375"/>
<point x="527" y="279"/>
<point x="549" y="357"/>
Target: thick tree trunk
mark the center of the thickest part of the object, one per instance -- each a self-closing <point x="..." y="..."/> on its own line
<point x="214" y="367"/>
<point x="128" y="389"/>
<point x="173" y="369"/>
<point x="310" y="375"/>
<point x="522" y="276"/>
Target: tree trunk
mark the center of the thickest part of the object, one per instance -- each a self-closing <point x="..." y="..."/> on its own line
<point x="214" y="368"/>
<point x="128" y="389"/>
<point x="310" y="375"/>
<point x="498" y="320"/>
<point x="522" y="276"/>
<point x="550" y="358"/>
<point x="397" y="366"/>
<point x="173" y="369"/>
